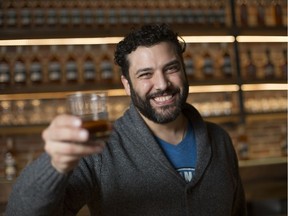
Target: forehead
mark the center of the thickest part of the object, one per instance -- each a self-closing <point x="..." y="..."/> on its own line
<point x="153" y="55"/>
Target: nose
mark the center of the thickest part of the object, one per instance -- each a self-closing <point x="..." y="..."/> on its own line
<point x="161" y="82"/>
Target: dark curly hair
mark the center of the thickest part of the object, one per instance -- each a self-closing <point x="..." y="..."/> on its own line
<point x="147" y="35"/>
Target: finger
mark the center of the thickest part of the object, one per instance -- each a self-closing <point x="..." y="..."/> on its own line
<point x="65" y="134"/>
<point x="66" y="120"/>
<point x="73" y="149"/>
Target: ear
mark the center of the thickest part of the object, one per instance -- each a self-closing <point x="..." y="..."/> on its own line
<point x="126" y="85"/>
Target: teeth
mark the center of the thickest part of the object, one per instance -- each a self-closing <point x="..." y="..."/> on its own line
<point x="163" y="98"/>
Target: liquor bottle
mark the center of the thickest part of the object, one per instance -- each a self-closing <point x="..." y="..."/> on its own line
<point x="106" y="66"/>
<point x="112" y="14"/>
<point x="88" y="16"/>
<point x="261" y="15"/>
<point x="89" y="70"/>
<point x="123" y="13"/>
<point x="25" y="16"/>
<point x="54" y="67"/>
<point x="19" y="67"/>
<point x="38" y="15"/>
<point x="283" y="141"/>
<point x="242" y="143"/>
<point x="100" y="14"/>
<point x="4" y="68"/>
<point x="71" y="66"/>
<point x="208" y="64"/>
<point x="75" y="14"/>
<point x="51" y="15"/>
<point x="11" y="16"/>
<point x="10" y="161"/>
<point x="278" y="14"/>
<point x="134" y="12"/>
<point x="36" y="76"/>
<point x="251" y="69"/>
<point x="269" y="68"/>
<point x="64" y="18"/>
<point x="1" y="19"/>
<point x="222" y="13"/>
<point x="244" y="14"/>
<point x="189" y="66"/>
<point x="226" y="66"/>
<point x="284" y="65"/>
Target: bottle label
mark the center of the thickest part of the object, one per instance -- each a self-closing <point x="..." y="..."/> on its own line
<point x="106" y="70"/>
<point x="89" y="70"/>
<point x="208" y="66"/>
<point x="88" y="17"/>
<point x="51" y="17"/>
<point x="19" y="72"/>
<point x="39" y="17"/>
<point x="71" y="68"/>
<point x="54" y="71"/>
<point x="189" y="65"/>
<point x="36" y="74"/>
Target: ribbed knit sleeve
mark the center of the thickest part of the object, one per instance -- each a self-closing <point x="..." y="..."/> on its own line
<point x="37" y="190"/>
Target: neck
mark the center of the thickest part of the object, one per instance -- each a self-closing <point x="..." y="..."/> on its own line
<point x="172" y="132"/>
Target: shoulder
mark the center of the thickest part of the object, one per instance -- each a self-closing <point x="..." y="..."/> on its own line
<point x="217" y="130"/>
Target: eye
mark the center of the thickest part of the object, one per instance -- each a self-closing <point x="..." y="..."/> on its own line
<point x="145" y="75"/>
<point x="173" y="68"/>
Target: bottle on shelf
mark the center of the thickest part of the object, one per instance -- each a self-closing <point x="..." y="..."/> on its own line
<point x="226" y="66"/>
<point x="25" y="15"/>
<point x="261" y="14"/>
<point x="10" y="160"/>
<point x="71" y="68"/>
<point x="106" y="65"/>
<point x="19" y="67"/>
<point x="250" y="68"/>
<point x="269" y="68"/>
<point x="100" y="14"/>
<point x="243" y="13"/>
<point x="284" y="65"/>
<point x="11" y="16"/>
<point x="88" y="16"/>
<point x="36" y="76"/>
<point x="63" y="13"/>
<point x="75" y="14"/>
<point x="208" y="63"/>
<point x="51" y="14"/>
<point x="242" y="143"/>
<point x="4" y="68"/>
<point x="189" y="65"/>
<point x="54" y="66"/>
<point x="89" y="70"/>
<point x="278" y="13"/>
<point x="38" y="15"/>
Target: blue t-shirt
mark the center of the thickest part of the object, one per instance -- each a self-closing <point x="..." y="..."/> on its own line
<point x="183" y="155"/>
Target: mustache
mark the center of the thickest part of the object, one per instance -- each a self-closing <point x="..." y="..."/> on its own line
<point x="169" y="91"/>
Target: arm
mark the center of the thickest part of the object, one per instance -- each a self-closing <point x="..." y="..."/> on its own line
<point x="42" y="188"/>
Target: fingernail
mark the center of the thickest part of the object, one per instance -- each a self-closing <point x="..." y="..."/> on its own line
<point x="83" y="134"/>
<point x="76" y="122"/>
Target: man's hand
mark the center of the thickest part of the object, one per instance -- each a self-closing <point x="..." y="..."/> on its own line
<point x="65" y="142"/>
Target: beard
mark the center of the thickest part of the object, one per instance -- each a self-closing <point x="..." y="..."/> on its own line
<point x="166" y="113"/>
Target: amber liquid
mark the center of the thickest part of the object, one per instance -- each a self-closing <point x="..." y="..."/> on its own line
<point x="98" y="129"/>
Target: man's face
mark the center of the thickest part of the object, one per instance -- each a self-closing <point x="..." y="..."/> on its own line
<point x="157" y="85"/>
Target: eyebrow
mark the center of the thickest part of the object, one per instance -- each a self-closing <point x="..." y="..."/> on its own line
<point x="165" y="66"/>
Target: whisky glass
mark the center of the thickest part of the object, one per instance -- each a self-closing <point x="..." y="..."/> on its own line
<point x="92" y="109"/>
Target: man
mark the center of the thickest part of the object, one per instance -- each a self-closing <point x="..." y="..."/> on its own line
<point x="161" y="158"/>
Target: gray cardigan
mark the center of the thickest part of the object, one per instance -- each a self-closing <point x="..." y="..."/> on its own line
<point x="133" y="177"/>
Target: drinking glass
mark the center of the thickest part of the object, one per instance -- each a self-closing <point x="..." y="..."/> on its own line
<point x="92" y="109"/>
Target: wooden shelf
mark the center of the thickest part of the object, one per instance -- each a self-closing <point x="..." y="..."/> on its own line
<point x="109" y="31"/>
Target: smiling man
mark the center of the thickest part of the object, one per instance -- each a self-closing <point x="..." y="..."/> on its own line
<point x="162" y="158"/>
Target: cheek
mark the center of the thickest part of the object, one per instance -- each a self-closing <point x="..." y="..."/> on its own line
<point x="143" y="88"/>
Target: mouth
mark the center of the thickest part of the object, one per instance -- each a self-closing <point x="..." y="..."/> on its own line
<point x="164" y="99"/>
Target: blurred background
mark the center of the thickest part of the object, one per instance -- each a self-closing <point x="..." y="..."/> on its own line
<point x="236" y="61"/>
